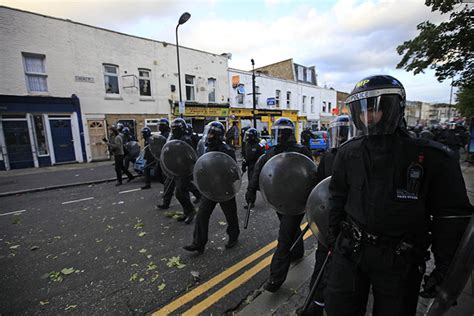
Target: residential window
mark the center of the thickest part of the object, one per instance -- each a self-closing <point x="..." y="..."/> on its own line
<point x="35" y="72"/>
<point x="189" y="82"/>
<point x="288" y="99"/>
<point x="300" y="73"/>
<point x="240" y="94"/>
<point x="257" y="89"/>
<point x="309" y="75"/>
<point x="329" y="107"/>
<point x="303" y="107"/>
<point x="144" y="77"/>
<point x="277" y="98"/>
<point x="312" y="104"/>
<point x="211" y="88"/>
<point x="324" y="106"/>
<point x="40" y="135"/>
<point x="111" y="79"/>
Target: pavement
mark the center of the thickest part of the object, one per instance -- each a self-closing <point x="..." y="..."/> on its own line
<point x="284" y="302"/>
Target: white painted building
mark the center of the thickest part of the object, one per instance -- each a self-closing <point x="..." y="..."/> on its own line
<point x="114" y="76"/>
<point x="299" y="101"/>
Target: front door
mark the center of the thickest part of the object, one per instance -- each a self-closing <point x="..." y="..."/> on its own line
<point x="97" y="131"/>
<point x="63" y="142"/>
<point x="18" y="144"/>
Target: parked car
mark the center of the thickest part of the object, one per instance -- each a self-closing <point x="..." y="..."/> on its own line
<point x="320" y="143"/>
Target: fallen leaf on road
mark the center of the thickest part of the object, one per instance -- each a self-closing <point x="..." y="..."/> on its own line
<point x="222" y="223"/>
<point x="196" y="275"/>
<point x="14" y="247"/>
<point x="155" y="276"/>
<point x="16" y="219"/>
<point x="134" y="277"/>
<point x="138" y="225"/>
<point x="44" y="302"/>
<point x="120" y="202"/>
<point x="151" y="266"/>
<point x="174" y="262"/>
<point x="143" y="250"/>
<point x="68" y="307"/>
<point x="141" y="280"/>
<point x="34" y="248"/>
<point x="57" y="237"/>
<point x="67" y="271"/>
<point x="161" y="287"/>
<point x="149" y="256"/>
<point x="55" y="276"/>
<point x="141" y="234"/>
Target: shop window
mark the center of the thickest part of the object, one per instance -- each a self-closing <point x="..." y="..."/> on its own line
<point x="240" y="94"/>
<point x="211" y="88"/>
<point x="111" y="79"/>
<point x="35" y="72"/>
<point x="288" y="99"/>
<point x="144" y="80"/>
<point x="40" y="135"/>
<point x="189" y="82"/>
<point x="277" y="98"/>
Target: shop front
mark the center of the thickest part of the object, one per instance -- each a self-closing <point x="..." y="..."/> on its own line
<point x="199" y="116"/>
<point x="40" y="131"/>
<point x="264" y="118"/>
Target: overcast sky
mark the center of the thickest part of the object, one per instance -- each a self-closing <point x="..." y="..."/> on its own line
<point x="345" y="39"/>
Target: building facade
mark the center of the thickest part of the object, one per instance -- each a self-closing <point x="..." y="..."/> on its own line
<point x="113" y="77"/>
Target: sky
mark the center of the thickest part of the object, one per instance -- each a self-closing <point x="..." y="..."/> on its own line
<point x="346" y="40"/>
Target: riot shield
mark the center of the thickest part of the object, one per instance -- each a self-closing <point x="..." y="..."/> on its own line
<point x="133" y="149"/>
<point x="317" y="211"/>
<point x="201" y="147"/>
<point x="217" y="176"/>
<point x="286" y="181"/>
<point x="178" y="158"/>
<point x="458" y="274"/>
<point x="156" y="143"/>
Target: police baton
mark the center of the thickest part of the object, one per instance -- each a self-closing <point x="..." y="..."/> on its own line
<point x="316" y="283"/>
<point x="247" y="216"/>
<point x="300" y="236"/>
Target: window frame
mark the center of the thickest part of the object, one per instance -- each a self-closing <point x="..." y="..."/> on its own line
<point x="140" y="78"/>
<point x="192" y="86"/>
<point x="312" y="104"/>
<point x="28" y="74"/>
<point x="324" y="107"/>
<point x="35" y="133"/>
<point x="277" y="98"/>
<point x="211" y="89"/>
<point x="104" y="65"/>
<point x="257" y="93"/>
<point x="288" y="99"/>
<point x="303" y="104"/>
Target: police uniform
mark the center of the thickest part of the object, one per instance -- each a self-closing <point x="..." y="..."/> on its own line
<point x="251" y="152"/>
<point x="289" y="224"/>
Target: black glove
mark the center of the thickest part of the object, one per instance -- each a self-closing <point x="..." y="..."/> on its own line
<point x="104" y="139"/>
<point x="250" y="196"/>
<point x="431" y="284"/>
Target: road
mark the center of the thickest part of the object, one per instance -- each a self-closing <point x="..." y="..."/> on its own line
<point x="119" y="255"/>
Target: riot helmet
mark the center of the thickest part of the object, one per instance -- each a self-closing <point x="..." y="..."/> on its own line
<point x="189" y="128"/>
<point x="340" y="130"/>
<point x="146" y="132"/>
<point x="178" y="127"/>
<point x="164" y="125"/>
<point x="119" y="127"/>
<point x="215" y="134"/>
<point x="252" y="136"/>
<point x="283" y="131"/>
<point x="126" y="131"/>
<point x="377" y="104"/>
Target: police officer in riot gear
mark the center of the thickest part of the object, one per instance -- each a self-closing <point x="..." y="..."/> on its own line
<point x="251" y="151"/>
<point x="283" y="140"/>
<point x="306" y="136"/>
<point x="184" y="185"/>
<point x="339" y="131"/>
<point x="115" y="145"/>
<point x="215" y="142"/>
<point x="391" y="197"/>
<point x="150" y="160"/>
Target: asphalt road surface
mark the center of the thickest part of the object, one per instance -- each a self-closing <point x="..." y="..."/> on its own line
<point x="102" y="249"/>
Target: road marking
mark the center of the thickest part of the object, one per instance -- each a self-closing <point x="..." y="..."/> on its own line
<point x="74" y="201"/>
<point x="16" y="212"/>
<point x="188" y="297"/>
<point x="121" y="192"/>
<point x="234" y="284"/>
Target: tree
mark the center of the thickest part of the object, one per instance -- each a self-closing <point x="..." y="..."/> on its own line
<point x="465" y="100"/>
<point x="448" y="48"/>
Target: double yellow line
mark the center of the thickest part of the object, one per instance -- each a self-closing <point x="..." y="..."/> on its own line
<point x="226" y="289"/>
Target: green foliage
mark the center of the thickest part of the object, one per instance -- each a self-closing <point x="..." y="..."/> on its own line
<point x="448" y="48"/>
<point x="465" y="100"/>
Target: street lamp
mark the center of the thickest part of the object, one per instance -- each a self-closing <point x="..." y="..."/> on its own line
<point x="254" y="103"/>
<point x="183" y="19"/>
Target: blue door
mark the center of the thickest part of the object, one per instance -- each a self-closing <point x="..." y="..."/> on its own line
<point x="18" y="144"/>
<point x="62" y="140"/>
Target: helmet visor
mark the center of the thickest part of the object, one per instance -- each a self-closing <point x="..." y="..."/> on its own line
<point x="379" y="115"/>
<point x="281" y="134"/>
<point x="338" y="133"/>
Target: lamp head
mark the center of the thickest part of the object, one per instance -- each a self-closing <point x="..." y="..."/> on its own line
<point x="184" y="18"/>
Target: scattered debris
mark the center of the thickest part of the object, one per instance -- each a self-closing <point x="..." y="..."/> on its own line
<point x="161" y="287"/>
<point x="134" y="277"/>
<point x="44" y="302"/>
<point x="16" y="219"/>
<point x="151" y="266"/>
<point x="67" y="271"/>
<point x="68" y="307"/>
<point x="120" y="202"/>
<point x="14" y="247"/>
<point x="222" y="223"/>
<point x="139" y="224"/>
<point x="196" y="276"/>
<point x="141" y="234"/>
<point x="143" y="250"/>
<point x="55" y="276"/>
<point x="174" y="262"/>
<point x="155" y="276"/>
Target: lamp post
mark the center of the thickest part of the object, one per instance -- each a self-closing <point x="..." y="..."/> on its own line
<point x="183" y="19"/>
<point x="254" y="99"/>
